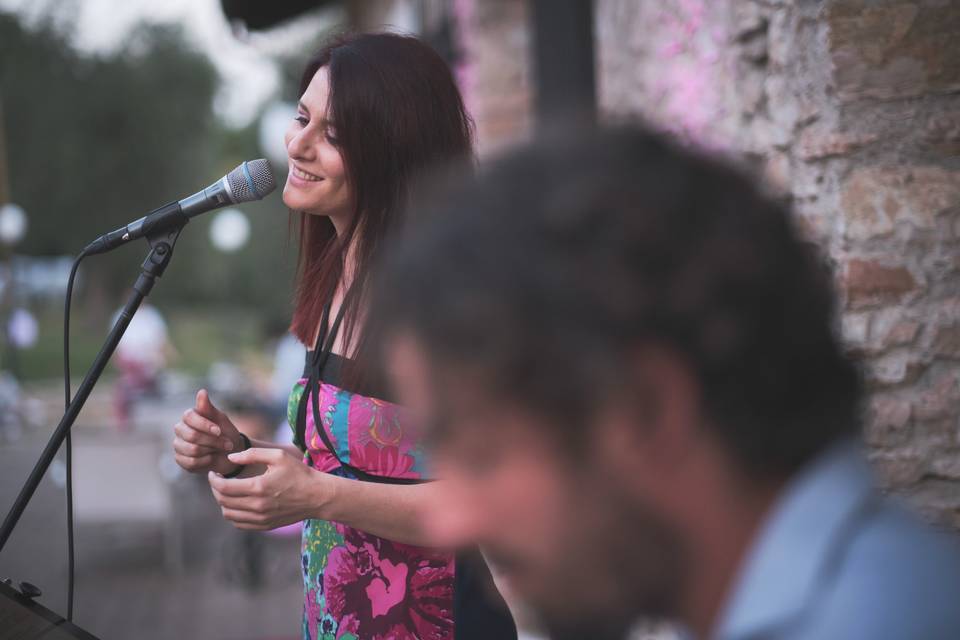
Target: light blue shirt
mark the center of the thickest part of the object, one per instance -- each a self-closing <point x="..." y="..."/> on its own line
<point x="836" y="560"/>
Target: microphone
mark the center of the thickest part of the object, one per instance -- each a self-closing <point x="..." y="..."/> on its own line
<point x="250" y="181"/>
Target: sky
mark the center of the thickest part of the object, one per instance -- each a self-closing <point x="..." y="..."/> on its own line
<point x="250" y="78"/>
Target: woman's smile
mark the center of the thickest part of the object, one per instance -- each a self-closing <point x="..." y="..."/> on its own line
<point x="302" y="177"/>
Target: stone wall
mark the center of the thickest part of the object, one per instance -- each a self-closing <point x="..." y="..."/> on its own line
<point x="852" y="109"/>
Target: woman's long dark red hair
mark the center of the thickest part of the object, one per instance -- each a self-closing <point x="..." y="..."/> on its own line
<point x="397" y="112"/>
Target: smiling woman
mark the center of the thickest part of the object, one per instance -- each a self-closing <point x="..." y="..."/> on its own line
<point x="375" y="110"/>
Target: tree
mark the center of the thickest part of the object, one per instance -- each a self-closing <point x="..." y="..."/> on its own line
<point x="96" y="141"/>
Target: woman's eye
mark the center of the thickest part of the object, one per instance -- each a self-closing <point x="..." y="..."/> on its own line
<point x="302" y="120"/>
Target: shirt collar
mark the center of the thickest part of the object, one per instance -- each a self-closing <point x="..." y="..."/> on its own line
<point x="779" y="576"/>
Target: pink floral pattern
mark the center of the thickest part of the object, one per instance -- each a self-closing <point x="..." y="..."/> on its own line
<point x="385" y="461"/>
<point x="359" y="586"/>
<point x="402" y="591"/>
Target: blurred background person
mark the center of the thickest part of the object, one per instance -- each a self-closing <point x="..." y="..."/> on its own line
<point x="288" y="357"/>
<point x="141" y="357"/>
<point x="640" y="406"/>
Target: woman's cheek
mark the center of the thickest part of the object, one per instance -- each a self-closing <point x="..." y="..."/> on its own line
<point x="332" y="162"/>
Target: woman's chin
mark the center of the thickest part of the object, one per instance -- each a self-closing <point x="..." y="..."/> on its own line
<point x="293" y="199"/>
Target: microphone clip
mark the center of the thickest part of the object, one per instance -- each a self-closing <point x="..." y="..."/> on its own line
<point x="162" y="241"/>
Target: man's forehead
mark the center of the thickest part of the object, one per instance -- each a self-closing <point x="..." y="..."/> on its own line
<point x="455" y="401"/>
<point x="439" y="394"/>
<point x="408" y="368"/>
<point x="422" y="376"/>
<point x="414" y="380"/>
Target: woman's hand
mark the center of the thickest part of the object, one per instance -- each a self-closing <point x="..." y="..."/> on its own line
<point x="288" y="491"/>
<point x="204" y="437"/>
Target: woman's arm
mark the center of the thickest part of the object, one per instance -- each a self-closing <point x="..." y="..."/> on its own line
<point x="392" y="511"/>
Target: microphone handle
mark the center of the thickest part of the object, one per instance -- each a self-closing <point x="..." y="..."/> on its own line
<point x="161" y="217"/>
<point x="177" y="212"/>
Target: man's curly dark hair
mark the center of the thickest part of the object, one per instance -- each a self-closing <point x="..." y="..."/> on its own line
<point x="543" y="274"/>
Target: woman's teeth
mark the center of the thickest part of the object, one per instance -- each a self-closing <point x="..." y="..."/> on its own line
<point x="305" y="176"/>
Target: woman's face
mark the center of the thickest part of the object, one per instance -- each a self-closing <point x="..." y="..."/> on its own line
<point x="316" y="179"/>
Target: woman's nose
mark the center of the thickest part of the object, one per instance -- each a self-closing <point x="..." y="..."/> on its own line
<point x="299" y="145"/>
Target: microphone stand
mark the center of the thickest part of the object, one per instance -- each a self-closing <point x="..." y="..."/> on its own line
<point x="161" y="250"/>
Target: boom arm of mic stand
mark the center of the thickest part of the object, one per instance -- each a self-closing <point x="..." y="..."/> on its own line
<point x="161" y="250"/>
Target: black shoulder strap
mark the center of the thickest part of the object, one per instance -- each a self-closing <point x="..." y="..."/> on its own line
<point x="322" y="333"/>
<point x="311" y="394"/>
<point x="299" y="437"/>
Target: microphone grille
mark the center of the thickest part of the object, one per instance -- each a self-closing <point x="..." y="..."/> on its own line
<point x="252" y="180"/>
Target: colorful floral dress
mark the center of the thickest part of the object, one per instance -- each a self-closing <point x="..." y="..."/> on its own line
<point x="357" y="585"/>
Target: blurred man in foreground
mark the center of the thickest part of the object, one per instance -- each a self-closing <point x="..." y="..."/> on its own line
<point x="627" y="362"/>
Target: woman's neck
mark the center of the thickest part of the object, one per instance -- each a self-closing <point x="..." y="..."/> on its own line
<point x="341" y="222"/>
<point x="346" y="278"/>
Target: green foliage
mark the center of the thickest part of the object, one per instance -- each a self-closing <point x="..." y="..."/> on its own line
<point x="94" y="142"/>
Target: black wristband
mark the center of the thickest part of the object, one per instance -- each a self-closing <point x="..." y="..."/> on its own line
<point x="240" y="468"/>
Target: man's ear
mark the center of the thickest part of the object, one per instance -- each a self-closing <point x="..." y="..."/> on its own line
<point x="652" y="424"/>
